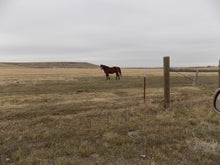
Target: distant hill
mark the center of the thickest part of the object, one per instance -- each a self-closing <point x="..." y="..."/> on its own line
<point x="49" y="65"/>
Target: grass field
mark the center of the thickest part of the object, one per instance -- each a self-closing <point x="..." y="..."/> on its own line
<point x="74" y="116"/>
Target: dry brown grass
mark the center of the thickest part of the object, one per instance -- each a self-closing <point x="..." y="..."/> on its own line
<point x="198" y="145"/>
<point x="75" y="116"/>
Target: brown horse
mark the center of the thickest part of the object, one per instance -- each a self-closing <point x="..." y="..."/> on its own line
<point x="110" y="70"/>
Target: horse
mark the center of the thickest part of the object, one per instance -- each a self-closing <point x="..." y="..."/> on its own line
<point x="110" y="70"/>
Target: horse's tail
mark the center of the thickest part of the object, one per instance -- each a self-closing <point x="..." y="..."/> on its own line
<point x="120" y="71"/>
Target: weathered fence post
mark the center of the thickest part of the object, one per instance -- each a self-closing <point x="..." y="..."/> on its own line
<point x="195" y="78"/>
<point x="144" y="85"/>
<point x="166" y="62"/>
<point x="219" y="74"/>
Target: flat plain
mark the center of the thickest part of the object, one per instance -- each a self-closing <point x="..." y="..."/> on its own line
<point x="75" y="116"/>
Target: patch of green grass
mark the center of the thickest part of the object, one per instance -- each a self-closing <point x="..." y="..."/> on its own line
<point x="208" y="134"/>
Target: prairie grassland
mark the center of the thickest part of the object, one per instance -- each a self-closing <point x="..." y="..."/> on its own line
<point x="75" y="116"/>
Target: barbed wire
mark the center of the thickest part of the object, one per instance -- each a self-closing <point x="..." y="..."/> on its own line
<point x="204" y="87"/>
<point x="184" y="75"/>
<point x="189" y="78"/>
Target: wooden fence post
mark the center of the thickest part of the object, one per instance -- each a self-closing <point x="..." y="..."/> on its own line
<point x="144" y="85"/>
<point x="166" y="62"/>
<point x="219" y="74"/>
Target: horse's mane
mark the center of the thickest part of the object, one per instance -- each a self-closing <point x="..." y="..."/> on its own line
<point x="104" y="66"/>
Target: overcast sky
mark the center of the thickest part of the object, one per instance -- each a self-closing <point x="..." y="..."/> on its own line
<point x="113" y="32"/>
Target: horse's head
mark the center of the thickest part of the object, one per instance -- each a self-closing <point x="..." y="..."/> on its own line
<point x="103" y="67"/>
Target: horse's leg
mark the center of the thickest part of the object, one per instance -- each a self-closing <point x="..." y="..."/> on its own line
<point x="117" y="76"/>
<point x="107" y="76"/>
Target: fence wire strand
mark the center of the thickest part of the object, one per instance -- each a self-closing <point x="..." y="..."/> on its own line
<point x="191" y="79"/>
<point x="183" y="75"/>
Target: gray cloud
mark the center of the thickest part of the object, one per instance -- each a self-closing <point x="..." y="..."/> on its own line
<point x="122" y="32"/>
